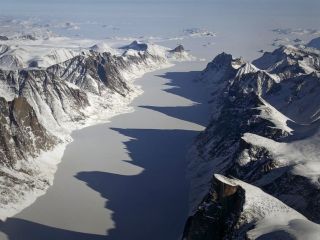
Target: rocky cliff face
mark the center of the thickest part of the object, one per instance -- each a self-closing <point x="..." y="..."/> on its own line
<point x="264" y="129"/>
<point x="22" y="134"/>
<point x="217" y="215"/>
<point x="234" y="209"/>
<point x="39" y="107"/>
<point x="22" y="138"/>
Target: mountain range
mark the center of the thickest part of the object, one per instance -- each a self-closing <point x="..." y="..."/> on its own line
<point x="255" y="169"/>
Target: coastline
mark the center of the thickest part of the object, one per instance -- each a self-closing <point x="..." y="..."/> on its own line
<point x="47" y="163"/>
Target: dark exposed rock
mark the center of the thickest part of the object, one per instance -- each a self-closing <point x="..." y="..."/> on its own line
<point x="28" y="37"/>
<point x="178" y="49"/>
<point x="217" y="215"/>
<point x="33" y="64"/>
<point x="22" y="135"/>
<point x="4" y="38"/>
<point x="135" y="45"/>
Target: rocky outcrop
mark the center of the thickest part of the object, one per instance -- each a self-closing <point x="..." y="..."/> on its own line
<point x="218" y="213"/>
<point x="178" y="49"/>
<point x="137" y="46"/>
<point x="4" y="38"/>
<point x="22" y="134"/>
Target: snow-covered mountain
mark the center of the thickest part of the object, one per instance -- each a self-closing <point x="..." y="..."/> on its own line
<point x="44" y="98"/>
<point x="264" y="130"/>
<point x="314" y="43"/>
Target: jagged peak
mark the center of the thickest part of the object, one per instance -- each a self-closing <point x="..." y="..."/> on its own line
<point x="136" y="45"/>
<point x="224" y="60"/>
<point x="302" y="60"/>
<point x="178" y="49"/>
<point x="102" y="47"/>
<point x="247" y="68"/>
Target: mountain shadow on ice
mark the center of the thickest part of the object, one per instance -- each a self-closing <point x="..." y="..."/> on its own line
<point x="19" y="229"/>
<point x="180" y="85"/>
<point x="140" y="209"/>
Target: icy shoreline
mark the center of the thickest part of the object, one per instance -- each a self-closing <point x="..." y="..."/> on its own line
<point x="100" y="111"/>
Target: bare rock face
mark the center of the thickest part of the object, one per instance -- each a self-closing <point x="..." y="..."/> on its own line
<point x="94" y="73"/>
<point x="22" y="134"/>
<point x="178" y="49"/>
<point x="28" y="37"/>
<point x="218" y="214"/>
<point x="264" y="128"/>
<point x="4" y="38"/>
<point x="137" y="46"/>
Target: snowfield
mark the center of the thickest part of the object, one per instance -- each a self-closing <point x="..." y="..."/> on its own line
<point x="302" y="155"/>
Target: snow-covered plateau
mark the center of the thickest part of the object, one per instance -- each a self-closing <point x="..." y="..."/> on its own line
<point x="52" y="86"/>
<point x="264" y="131"/>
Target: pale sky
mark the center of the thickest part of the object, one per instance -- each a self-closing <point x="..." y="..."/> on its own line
<point x="167" y="16"/>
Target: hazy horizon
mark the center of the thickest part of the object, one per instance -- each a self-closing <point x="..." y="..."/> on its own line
<point x="140" y="17"/>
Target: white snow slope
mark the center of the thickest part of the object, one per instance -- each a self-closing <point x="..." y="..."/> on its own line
<point x="271" y="217"/>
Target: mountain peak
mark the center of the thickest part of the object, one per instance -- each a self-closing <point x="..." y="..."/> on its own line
<point x="136" y="45"/>
<point x="178" y="49"/>
<point x="314" y="43"/>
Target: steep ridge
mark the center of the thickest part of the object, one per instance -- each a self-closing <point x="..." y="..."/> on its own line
<point x="236" y="210"/>
<point x="264" y="129"/>
<point x="41" y="106"/>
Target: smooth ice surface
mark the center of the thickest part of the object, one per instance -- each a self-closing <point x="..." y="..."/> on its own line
<point x="126" y="177"/>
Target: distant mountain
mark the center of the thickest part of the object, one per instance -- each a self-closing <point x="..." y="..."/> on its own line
<point x="264" y="130"/>
<point x="40" y="106"/>
<point x="14" y="57"/>
<point x="315" y="43"/>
